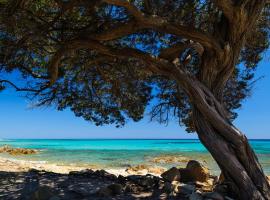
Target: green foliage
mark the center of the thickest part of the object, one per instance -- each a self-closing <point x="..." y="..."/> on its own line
<point x="107" y="90"/>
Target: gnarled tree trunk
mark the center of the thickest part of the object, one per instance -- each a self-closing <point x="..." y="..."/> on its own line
<point x="236" y="159"/>
<point x="228" y="146"/>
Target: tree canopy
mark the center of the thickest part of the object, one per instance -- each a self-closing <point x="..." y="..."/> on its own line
<point x="107" y="60"/>
<point x="111" y="60"/>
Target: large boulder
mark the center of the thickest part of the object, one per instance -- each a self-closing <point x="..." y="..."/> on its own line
<point x="171" y="175"/>
<point x="197" y="171"/>
<point x="186" y="175"/>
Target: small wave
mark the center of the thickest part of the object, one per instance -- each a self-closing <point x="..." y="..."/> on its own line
<point x="25" y="160"/>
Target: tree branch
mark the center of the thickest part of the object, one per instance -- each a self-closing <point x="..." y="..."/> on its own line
<point x="18" y="89"/>
<point x="162" y="25"/>
<point x="173" y="52"/>
<point x="118" y="32"/>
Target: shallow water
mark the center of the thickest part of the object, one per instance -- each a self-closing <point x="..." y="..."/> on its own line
<point x="123" y="153"/>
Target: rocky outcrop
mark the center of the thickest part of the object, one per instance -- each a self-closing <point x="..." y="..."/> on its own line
<point x="16" y="151"/>
<point x="169" y="159"/>
<point x="171" y="175"/>
<point x="194" y="171"/>
<point x="145" y="169"/>
<point x="198" y="171"/>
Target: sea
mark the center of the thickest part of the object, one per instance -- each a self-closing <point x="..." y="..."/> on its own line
<point x="122" y="153"/>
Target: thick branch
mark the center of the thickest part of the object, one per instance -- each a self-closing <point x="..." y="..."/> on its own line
<point x="162" y="25"/>
<point x="174" y="51"/>
<point x="154" y="64"/>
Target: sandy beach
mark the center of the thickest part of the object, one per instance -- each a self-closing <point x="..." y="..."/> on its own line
<point x="32" y="180"/>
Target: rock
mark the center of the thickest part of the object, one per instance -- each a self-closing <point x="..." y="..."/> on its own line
<point x="110" y="190"/>
<point x="42" y="193"/>
<point x="185" y="188"/>
<point x="147" y="181"/>
<point x="156" y="170"/>
<point x="32" y="170"/>
<point x="169" y="159"/>
<point x="197" y="171"/>
<point x="80" y="189"/>
<point x="172" y="174"/>
<point x="195" y="196"/>
<point x="139" y="169"/>
<point x="105" y="192"/>
<point x="145" y="169"/>
<point x="213" y="196"/>
<point x="16" y="151"/>
<point x="185" y="175"/>
<point x="168" y="187"/>
<point x="86" y="172"/>
<point x="132" y="188"/>
<point x="105" y="174"/>
<point x="204" y="186"/>
<point x="121" y="179"/>
<point x="116" y="188"/>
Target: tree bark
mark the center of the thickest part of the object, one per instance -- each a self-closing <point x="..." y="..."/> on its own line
<point x="238" y="163"/>
<point x="228" y="146"/>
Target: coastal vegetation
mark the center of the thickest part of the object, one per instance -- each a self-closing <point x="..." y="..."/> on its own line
<point x="111" y="60"/>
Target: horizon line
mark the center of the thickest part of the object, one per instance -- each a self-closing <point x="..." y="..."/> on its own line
<point x="115" y="139"/>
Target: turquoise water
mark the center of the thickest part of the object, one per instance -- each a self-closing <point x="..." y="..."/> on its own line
<point x="123" y="153"/>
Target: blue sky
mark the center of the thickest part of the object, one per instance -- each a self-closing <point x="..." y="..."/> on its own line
<point x="20" y="121"/>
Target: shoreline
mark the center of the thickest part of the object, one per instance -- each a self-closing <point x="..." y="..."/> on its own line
<point x="16" y="165"/>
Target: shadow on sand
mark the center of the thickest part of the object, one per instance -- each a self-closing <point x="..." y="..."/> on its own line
<point x="41" y="185"/>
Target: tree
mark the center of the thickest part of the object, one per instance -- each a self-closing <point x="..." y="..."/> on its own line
<point x="107" y="60"/>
